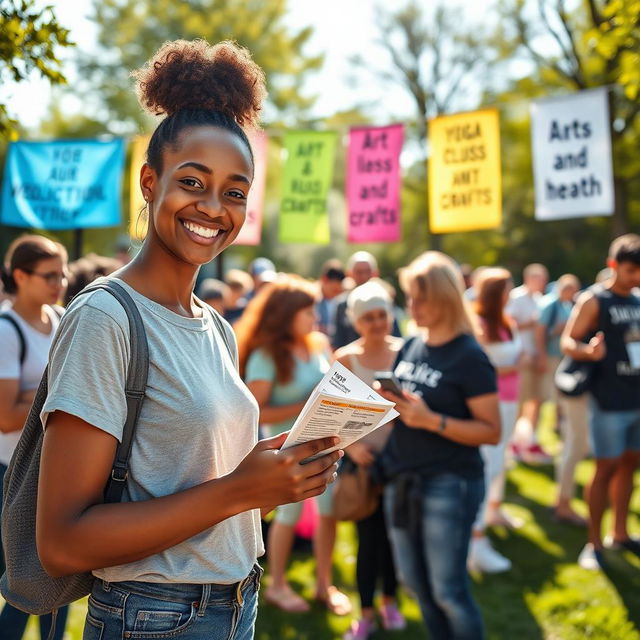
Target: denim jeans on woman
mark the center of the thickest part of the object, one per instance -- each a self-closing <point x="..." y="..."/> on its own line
<point x="145" y="610"/>
<point x="13" y="621"/>
<point x="432" y="557"/>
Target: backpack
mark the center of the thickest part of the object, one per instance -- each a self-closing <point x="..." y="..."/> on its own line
<point x="25" y="584"/>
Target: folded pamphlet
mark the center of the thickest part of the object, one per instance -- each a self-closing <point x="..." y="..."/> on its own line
<point x="341" y="405"/>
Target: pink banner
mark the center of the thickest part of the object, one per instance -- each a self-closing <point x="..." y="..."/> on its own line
<point x="252" y="228"/>
<point x="373" y="183"/>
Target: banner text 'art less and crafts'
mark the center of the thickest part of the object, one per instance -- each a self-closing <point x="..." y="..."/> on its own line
<point x="373" y="183"/>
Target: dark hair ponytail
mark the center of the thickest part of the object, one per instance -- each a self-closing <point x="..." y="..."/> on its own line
<point x="8" y="283"/>
<point x="25" y="253"/>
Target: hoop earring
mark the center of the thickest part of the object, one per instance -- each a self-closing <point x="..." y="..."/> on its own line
<point x="144" y="216"/>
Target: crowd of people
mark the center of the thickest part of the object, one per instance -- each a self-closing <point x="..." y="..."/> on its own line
<point x="475" y="365"/>
<point x="231" y="367"/>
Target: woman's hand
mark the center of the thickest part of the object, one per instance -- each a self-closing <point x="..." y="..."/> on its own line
<point x="271" y="476"/>
<point x="361" y="454"/>
<point x="413" y="410"/>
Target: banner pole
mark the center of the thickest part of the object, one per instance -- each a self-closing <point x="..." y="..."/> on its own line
<point x="77" y="244"/>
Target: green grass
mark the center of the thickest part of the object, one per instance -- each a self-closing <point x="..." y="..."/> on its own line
<point x="546" y="595"/>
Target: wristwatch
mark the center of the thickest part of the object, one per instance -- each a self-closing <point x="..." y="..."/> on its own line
<point x="442" y="425"/>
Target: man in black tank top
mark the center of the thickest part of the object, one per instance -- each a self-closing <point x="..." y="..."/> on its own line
<point x="611" y="314"/>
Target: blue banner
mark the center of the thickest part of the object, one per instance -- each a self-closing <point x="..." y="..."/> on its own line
<point x="64" y="184"/>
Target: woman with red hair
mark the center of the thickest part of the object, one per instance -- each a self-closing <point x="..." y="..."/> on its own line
<point x="282" y="359"/>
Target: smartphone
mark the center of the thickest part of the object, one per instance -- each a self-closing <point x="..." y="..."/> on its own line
<point x="389" y="382"/>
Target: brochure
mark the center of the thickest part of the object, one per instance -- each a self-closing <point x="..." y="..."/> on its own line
<point x="341" y="405"/>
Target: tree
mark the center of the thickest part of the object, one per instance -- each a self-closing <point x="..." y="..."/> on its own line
<point x="130" y="31"/>
<point x="598" y="45"/>
<point x="29" y="37"/>
<point x="431" y="58"/>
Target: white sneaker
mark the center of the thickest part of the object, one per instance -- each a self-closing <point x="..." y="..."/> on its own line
<point x="590" y="559"/>
<point x="484" y="558"/>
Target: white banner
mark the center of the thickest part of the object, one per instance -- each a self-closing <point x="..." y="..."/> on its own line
<point x="572" y="164"/>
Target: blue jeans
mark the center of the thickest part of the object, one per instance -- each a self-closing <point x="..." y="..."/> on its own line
<point x="12" y="620"/>
<point x="146" y="610"/>
<point x="432" y="559"/>
<point x="613" y="433"/>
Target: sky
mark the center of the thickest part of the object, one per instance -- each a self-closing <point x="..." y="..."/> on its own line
<point x="342" y="28"/>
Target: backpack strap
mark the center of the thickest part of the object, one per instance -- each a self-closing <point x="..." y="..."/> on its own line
<point x="21" y="339"/>
<point x="135" y="386"/>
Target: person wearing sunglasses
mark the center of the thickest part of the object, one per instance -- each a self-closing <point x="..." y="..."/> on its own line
<point x="34" y="275"/>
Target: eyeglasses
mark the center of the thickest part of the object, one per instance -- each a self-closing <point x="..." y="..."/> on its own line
<point x="51" y="278"/>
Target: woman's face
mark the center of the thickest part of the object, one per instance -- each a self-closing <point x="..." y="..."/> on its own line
<point x="304" y="322"/>
<point x="198" y="203"/>
<point x="374" y="324"/>
<point x="424" y="314"/>
<point x="45" y="283"/>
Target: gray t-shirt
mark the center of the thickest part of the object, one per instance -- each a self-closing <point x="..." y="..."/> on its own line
<point x="198" y="421"/>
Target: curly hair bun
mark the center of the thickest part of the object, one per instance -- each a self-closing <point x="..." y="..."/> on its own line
<point x="193" y="74"/>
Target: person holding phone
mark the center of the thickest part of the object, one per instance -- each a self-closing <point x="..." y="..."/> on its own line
<point x="370" y="357"/>
<point x="448" y="408"/>
<point x="178" y="555"/>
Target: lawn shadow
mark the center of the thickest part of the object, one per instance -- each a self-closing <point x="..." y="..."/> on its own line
<point x="625" y="579"/>
<point x="535" y="551"/>
<point x="502" y="598"/>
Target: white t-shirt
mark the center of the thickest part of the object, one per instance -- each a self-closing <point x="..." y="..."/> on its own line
<point x="37" y="348"/>
<point x="523" y="307"/>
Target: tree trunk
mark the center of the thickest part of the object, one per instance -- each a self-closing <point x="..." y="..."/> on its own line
<point x="620" y="218"/>
<point x="435" y="243"/>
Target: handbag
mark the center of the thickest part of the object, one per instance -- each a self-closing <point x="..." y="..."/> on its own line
<point x="25" y="584"/>
<point x="574" y="377"/>
<point x="355" y="494"/>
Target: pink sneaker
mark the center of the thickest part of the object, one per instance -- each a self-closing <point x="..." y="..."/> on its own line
<point x="392" y="619"/>
<point x="360" y="630"/>
<point x="535" y="454"/>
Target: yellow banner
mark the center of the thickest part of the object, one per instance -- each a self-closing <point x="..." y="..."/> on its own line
<point x="137" y="220"/>
<point x="465" y="179"/>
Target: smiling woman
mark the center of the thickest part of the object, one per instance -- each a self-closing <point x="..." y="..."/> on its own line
<point x="179" y="555"/>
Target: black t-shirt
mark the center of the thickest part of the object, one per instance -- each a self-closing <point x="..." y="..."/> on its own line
<point x="445" y="376"/>
<point x="616" y="383"/>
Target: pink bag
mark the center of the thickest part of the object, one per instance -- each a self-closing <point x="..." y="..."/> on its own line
<point x="308" y="521"/>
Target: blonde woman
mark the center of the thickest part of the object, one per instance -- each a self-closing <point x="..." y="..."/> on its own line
<point x="449" y="408"/>
<point x="370" y="310"/>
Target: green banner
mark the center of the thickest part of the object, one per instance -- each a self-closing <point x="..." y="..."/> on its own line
<point x="306" y="180"/>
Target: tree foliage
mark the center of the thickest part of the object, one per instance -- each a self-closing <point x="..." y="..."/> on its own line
<point x="29" y="37"/>
<point x="432" y="55"/>
<point x="537" y="48"/>
<point x="595" y="44"/>
<point x="130" y="31"/>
